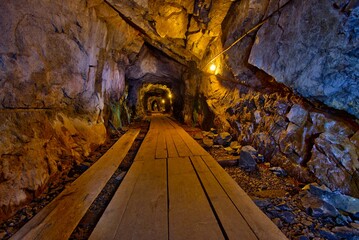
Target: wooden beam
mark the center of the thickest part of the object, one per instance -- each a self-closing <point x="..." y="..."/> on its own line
<point x="60" y="217"/>
<point x="138" y="18"/>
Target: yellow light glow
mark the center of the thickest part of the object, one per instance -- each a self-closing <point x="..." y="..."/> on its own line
<point x="170" y="95"/>
<point x="163" y="101"/>
<point x="212" y="67"/>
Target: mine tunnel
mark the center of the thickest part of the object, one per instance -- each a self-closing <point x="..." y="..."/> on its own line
<point x="191" y="119"/>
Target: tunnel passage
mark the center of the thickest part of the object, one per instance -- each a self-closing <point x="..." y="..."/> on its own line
<point x="156" y="77"/>
<point x="68" y="69"/>
<point x="156" y="98"/>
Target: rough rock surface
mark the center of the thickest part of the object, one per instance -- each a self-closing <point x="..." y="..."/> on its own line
<point x="242" y="16"/>
<point x="287" y="132"/>
<point x="293" y="47"/>
<point x="248" y="158"/>
<point x="313" y="50"/>
<point x="61" y="67"/>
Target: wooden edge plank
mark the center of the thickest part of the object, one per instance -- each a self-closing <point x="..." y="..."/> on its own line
<point x="192" y="144"/>
<point x="147" y="149"/>
<point x="262" y="226"/>
<point x="109" y="222"/>
<point x="146" y="212"/>
<point x="231" y="220"/>
<point x="190" y="214"/>
<point x="61" y="216"/>
<point x="172" y="122"/>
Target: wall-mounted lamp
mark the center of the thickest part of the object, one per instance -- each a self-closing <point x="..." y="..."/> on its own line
<point x="213" y="67"/>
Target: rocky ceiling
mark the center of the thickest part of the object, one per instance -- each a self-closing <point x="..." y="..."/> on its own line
<point x="181" y="29"/>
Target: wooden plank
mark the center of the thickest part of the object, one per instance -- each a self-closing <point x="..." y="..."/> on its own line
<point x="190" y="215"/>
<point x="153" y="124"/>
<point x="232" y="221"/>
<point x="181" y="146"/>
<point x="59" y="218"/>
<point x="171" y="148"/>
<point x="262" y="226"/>
<point x="111" y="218"/>
<point x="161" y="147"/>
<point x="145" y="216"/>
<point x="192" y="144"/>
<point x="172" y="123"/>
<point x="147" y="149"/>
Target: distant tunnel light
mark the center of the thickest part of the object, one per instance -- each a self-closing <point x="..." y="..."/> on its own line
<point x="213" y="67"/>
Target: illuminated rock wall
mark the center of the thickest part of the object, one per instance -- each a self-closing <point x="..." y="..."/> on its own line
<point x="61" y="66"/>
<point x="311" y="50"/>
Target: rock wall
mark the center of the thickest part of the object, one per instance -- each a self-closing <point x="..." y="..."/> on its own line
<point x="313" y="50"/>
<point x="310" y="143"/>
<point x="61" y="68"/>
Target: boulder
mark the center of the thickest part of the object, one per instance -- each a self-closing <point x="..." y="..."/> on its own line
<point x="339" y="157"/>
<point x="317" y="207"/>
<point x="198" y="136"/>
<point x="224" y="139"/>
<point x="278" y="171"/>
<point x="208" y="142"/>
<point x="235" y="145"/>
<point x="340" y="201"/>
<point x="297" y="115"/>
<point x="248" y="158"/>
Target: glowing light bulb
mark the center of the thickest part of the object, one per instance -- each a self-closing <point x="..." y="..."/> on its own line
<point x="170" y="95"/>
<point x="212" y="67"/>
<point x="163" y="101"/>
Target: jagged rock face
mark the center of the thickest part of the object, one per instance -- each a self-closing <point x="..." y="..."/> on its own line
<point x="307" y="55"/>
<point x="309" y="144"/>
<point x="242" y="16"/>
<point x="313" y="50"/>
<point x="61" y="64"/>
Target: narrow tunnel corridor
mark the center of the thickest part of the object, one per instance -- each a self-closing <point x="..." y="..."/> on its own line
<point x="268" y="88"/>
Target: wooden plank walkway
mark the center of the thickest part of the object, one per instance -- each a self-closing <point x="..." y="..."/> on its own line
<point x="176" y="190"/>
<point x="59" y="218"/>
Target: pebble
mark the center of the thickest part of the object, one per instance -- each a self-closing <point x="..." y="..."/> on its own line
<point x="198" y="136"/>
<point x="120" y="176"/>
<point x="288" y="217"/>
<point x="277" y="222"/>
